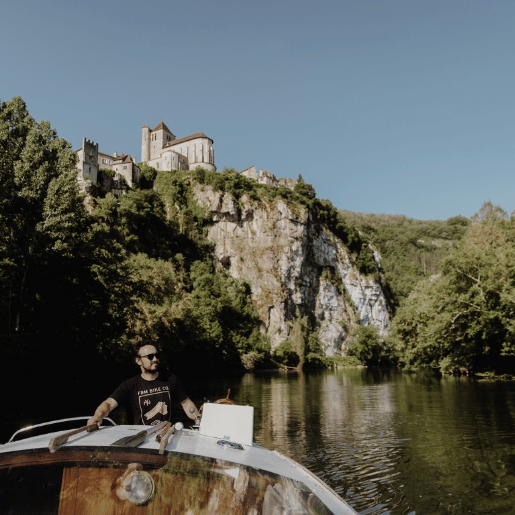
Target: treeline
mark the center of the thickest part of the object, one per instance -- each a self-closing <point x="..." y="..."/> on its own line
<point x="410" y="249"/>
<point x="78" y="286"/>
<point x="462" y="320"/>
<point x="453" y="283"/>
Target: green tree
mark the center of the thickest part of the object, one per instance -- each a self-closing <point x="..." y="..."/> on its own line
<point x="148" y="175"/>
<point x="62" y="291"/>
<point x="464" y="318"/>
<point x="41" y="212"/>
<point x="490" y="213"/>
<point x="303" y="344"/>
<point x="305" y="190"/>
<point x="299" y="335"/>
<point x="286" y="355"/>
<point x="411" y="250"/>
<point x="366" y="345"/>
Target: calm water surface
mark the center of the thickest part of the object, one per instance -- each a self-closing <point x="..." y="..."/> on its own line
<point x="390" y="441"/>
<point x="386" y="441"/>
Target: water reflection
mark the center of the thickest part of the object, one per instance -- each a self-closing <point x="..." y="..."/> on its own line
<point x="393" y="442"/>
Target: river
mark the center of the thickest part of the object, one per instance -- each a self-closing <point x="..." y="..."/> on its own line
<point x="387" y="441"/>
<point x="390" y="441"/>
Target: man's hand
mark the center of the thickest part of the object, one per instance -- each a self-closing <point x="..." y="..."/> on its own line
<point x="187" y="406"/>
<point x="102" y="411"/>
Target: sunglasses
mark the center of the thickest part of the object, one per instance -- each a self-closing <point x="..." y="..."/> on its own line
<point x="150" y="357"/>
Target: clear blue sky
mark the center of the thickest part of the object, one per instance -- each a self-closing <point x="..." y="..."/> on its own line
<point x="402" y="107"/>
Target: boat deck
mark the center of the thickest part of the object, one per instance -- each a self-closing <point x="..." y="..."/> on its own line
<point x="194" y="473"/>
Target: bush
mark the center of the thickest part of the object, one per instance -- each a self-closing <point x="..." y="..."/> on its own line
<point x="251" y="360"/>
<point x="107" y="172"/>
<point x="366" y="345"/>
<point x="285" y="355"/>
<point x="148" y="176"/>
<point x="342" y="361"/>
<point x="314" y="361"/>
<point x="257" y="361"/>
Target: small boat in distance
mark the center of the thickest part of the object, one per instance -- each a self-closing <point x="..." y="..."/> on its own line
<point x="212" y="468"/>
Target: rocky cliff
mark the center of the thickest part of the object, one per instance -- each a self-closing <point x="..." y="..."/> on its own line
<point x="293" y="263"/>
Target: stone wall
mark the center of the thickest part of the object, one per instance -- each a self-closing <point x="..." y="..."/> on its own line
<point x="145" y="144"/>
<point x="115" y="185"/>
<point x="169" y="160"/>
<point x="185" y="156"/>
<point x="288" y="183"/>
<point x="200" y="153"/>
<point x="87" y="160"/>
<point x="129" y="171"/>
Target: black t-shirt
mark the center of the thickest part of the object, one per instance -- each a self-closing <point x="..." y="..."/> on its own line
<point x="149" y="402"/>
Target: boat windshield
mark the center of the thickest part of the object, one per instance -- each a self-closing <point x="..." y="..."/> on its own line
<point x="100" y="482"/>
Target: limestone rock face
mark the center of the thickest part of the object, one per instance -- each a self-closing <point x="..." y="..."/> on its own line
<point x="293" y="263"/>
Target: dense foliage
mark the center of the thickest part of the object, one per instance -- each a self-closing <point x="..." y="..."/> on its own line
<point x="77" y="288"/>
<point x="302" y="348"/>
<point x="80" y="287"/>
<point x="463" y="319"/>
<point x="367" y="346"/>
<point x="177" y="297"/>
<point x="61" y="274"/>
<point x="411" y="250"/>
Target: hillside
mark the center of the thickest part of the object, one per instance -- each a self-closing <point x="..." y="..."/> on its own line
<point x="298" y="255"/>
<point x="410" y="249"/>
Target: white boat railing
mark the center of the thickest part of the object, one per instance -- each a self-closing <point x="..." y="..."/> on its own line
<point x="28" y="428"/>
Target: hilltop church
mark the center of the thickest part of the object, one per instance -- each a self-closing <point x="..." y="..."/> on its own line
<point x="161" y="150"/>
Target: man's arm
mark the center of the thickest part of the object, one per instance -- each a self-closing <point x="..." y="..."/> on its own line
<point x="103" y="410"/>
<point x="187" y="404"/>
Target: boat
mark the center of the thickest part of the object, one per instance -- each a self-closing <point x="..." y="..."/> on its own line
<point x="214" y="467"/>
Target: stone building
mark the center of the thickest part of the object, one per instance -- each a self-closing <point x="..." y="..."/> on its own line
<point x="161" y="150"/>
<point x="263" y="177"/>
<point x="90" y="161"/>
<point x="87" y="161"/>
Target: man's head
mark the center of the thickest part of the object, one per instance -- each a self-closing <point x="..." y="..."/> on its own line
<point x="146" y="355"/>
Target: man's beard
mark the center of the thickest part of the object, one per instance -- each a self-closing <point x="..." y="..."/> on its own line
<point x="151" y="370"/>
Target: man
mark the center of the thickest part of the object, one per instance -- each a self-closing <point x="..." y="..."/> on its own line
<point x="147" y="398"/>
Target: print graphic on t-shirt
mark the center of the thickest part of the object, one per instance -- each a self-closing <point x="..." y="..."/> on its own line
<point x="154" y="405"/>
<point x="160" y="407"/>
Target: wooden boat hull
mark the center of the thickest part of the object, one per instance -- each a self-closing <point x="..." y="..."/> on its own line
<point x="194" y="475"/>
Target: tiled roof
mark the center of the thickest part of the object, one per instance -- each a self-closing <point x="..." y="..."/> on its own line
<point x="122" y="159"/>
<point x="188" y="138"/>
<point x="160" y="126"/>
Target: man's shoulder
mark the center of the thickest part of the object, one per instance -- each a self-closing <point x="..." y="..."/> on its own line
<point x="133" y="379"/>
<point x="125" y="390"/>
<point x="173" y="379"/>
